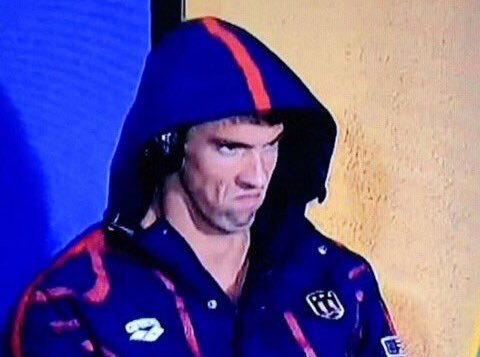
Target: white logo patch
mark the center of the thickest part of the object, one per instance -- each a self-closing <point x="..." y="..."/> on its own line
<point x="145" y="329"/>
<point x="325" y="304"/>
<point x="393" y="346"/>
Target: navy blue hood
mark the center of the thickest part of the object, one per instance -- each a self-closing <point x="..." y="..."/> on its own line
<point x="207" y="69"/>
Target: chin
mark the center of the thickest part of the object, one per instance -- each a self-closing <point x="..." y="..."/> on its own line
<point x="244" y="224"/>
<point x="230" y="225"/>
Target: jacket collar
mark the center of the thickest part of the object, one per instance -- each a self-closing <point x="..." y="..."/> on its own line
<point x="172" y="255"/>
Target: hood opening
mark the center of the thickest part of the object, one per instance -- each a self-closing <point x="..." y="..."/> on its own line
<point x="300" y="175"/>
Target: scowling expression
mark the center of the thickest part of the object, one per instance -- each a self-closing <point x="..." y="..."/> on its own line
<point x="227" y="168"/>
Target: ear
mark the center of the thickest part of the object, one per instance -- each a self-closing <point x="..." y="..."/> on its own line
<point x="182" y="166"/>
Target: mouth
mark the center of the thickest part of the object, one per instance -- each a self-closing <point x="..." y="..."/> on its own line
<point x="248" y="201"/>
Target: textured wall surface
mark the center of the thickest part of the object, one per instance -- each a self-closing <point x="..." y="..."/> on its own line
<point x="402" y="79"/>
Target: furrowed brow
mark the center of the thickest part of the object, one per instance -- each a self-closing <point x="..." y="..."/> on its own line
<point x="238" y="144"/>
<point x="226" y="142"/>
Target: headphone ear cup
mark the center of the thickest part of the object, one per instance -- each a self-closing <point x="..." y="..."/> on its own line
<point x="161" y="157"/>
<point x="164" y="155"/>
<point x="168" y="141"/>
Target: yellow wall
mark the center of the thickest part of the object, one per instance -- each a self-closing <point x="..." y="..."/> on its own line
<point x="402" y="79"/>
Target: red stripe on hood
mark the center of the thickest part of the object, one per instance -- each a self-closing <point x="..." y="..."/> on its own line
<point x="244" y="60"/>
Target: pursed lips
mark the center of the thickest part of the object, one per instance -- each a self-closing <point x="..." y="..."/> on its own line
<point x="249" y="200"/>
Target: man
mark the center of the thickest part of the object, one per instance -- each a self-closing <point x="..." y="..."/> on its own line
<point x="205" y="250"/>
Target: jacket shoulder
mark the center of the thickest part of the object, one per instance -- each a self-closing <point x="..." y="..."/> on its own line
<point x="331" y="245"/>
<point x="344" y="261"/>
<point x="73" y="274"/>
<point x="75" y="266"/>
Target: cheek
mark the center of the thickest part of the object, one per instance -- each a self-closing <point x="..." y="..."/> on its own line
<point x="220" y="182"/>
<point x="219" y="191"/>
<point x="213" y="179"/>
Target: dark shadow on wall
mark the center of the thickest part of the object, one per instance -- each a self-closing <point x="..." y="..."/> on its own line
<point x="23" y="215"/>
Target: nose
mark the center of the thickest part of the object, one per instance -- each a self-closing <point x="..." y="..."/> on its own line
<point x="254" y="172"/>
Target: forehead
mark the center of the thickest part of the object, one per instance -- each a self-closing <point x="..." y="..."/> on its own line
<point x="236" y="128"/>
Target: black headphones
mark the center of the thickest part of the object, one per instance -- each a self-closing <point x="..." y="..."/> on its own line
<point x="161" y="157"/>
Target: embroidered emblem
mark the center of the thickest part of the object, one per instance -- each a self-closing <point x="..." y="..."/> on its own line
<point x="145" y="329"/>
<point x="393" y="346"/>
<point x="326" y="304"/>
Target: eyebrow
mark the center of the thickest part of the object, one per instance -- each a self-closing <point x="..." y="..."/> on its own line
<point x="237" y="144"/>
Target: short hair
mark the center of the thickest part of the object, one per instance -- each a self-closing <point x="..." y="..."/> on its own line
<point x="236" y="119"/>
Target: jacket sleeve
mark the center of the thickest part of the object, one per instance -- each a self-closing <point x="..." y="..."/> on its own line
<point x="378" y="334"/>
<point x="46" y="328"/>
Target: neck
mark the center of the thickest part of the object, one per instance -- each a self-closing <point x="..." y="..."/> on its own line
<point x="221" y="253"/>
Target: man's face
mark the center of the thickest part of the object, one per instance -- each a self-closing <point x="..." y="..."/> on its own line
<point x="227" y="169"/>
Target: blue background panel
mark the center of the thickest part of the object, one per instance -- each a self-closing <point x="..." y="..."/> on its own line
<point x="68" y="74"/>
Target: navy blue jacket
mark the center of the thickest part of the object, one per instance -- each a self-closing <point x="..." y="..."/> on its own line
<point x="322" y="300"/>
<point x="120" y="290"/>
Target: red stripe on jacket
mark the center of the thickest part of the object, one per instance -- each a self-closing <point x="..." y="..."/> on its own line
<point x="184" y="316"/>
<point x="93" y="244"/>
<point x="298" y="334"/>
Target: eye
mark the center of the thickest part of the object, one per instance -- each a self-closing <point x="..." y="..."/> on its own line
<point x="229" y="150"/>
